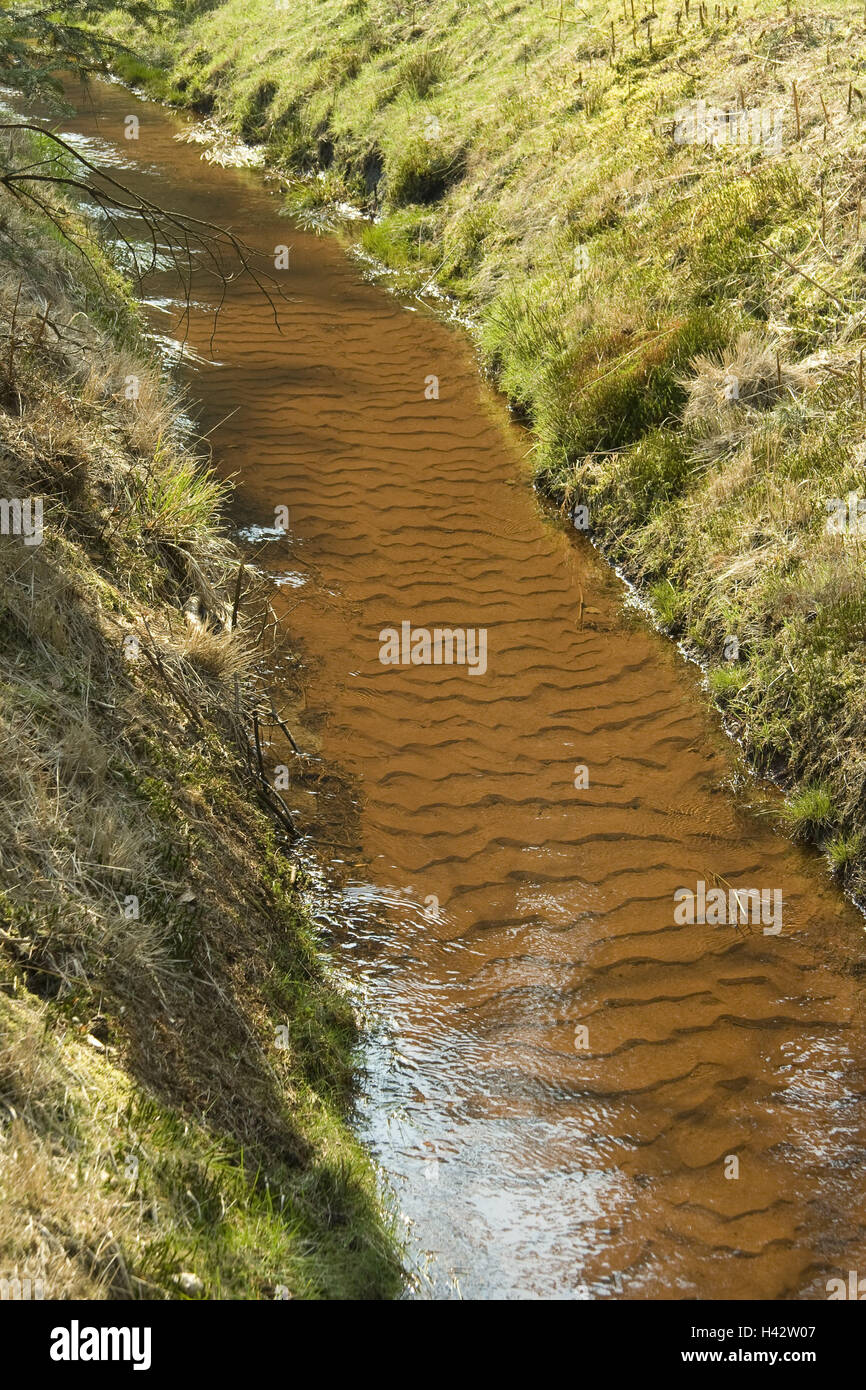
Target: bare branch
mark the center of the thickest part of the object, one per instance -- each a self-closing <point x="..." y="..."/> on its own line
<point x="218" y="246"/>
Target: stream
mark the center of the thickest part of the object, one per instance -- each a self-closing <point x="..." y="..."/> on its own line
<point x="571" y="1094"/>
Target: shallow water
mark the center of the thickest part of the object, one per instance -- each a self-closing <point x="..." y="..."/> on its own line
<point x="491" y="908"/>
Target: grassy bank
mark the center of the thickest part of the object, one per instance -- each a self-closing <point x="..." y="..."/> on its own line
<point x="672" y="297"/>
<point x="175" y="1061"/>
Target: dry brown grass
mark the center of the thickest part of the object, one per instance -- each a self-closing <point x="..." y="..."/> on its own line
<point x="218" y="655"/>
<point x="747" y="376"/>
<point x="151" y="412"/>
<point x="59" y="1222"/>
<point x="148" y="925"/>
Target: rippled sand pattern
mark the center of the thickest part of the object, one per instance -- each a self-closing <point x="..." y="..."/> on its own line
<point x="530" y="1164"/>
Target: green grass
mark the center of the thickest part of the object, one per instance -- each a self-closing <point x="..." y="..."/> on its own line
<point x="810" y="812"/>
<point x="725" y="682"/>
<point x="667" y="603"/>
<point x="843" y="851"/>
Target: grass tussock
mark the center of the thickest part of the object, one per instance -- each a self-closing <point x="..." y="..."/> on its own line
<point x="658" y="232"/>
<point x="175" y="1060"/>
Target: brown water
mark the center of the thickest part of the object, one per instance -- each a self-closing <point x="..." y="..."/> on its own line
<point x="527" y="1164"/>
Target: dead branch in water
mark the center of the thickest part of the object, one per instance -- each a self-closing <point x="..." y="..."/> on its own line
<point x="226" y="256"/>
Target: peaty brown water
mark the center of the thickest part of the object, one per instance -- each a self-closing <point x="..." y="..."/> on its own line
<point x="703" y="1137"/>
